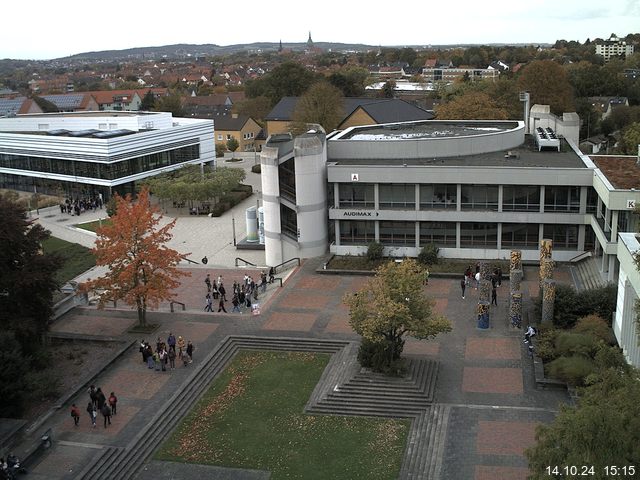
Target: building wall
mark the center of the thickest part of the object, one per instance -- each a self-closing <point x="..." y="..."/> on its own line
<point x="359" y="117"/>
<point x="277" y="126"/>
<point x="624" y="325"/>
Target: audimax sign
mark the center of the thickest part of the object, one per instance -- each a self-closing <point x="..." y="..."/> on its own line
<point x="359" y="213"/>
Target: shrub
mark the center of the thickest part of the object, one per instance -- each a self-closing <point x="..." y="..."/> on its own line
<point x="382" y="356"/>
<point x="570" y="343"/>
<point x="375" y="251"/>
<point x="564" y="315"/>
<point x="256" y="168"/>
<point x="219" y="208"/>
<point x="596" y="326"/>
<point x="546" y="344"/>
<point x="572" y="370"/>
<point x="429" y="254"/>
<point x="570" y="305"/>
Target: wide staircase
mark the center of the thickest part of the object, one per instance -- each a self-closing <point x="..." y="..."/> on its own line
<point x="586" y="274"/>
<point x="344" y="389"/>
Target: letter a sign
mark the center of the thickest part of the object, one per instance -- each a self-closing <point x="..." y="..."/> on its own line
<point x="354" y="177"/>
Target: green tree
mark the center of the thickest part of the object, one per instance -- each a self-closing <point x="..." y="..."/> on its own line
<point x="548" y="84"/>
<point x="472" y="105"/>
<point x="630" y="139"/>
<point x="171" y="103"/>
<point x="290" y="79"/>
<point x="142" y="270"/>
<point x="393" y="304"/>
<point x="220" y="149"/>
<point x="321" y="104"/>
<point x="602" y="430"/>
<point x="256" y="108"/>
<point x="388" y="89"/>
<point x="148" y="102"/>
<point x="27" y="277"/>
<point x="351" y="80"/>
<point x="232" y="144"/>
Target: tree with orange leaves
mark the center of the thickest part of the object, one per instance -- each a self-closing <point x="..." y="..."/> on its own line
<point x="142" y="269"/>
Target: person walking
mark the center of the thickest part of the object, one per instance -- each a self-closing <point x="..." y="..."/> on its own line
<point x="208" y="306"/>
<point x="236" y="304"/>
<point x="172" y="358"/>
<point x="181" y="346"/>
<point x="426" y="276"/>
<point x="162" y="355"/>
<point x="93" y="395"/>
<point x="75" y="414"/>
<point x="91" y="410"/>
<point x="113" y="402"/>
<point x="101" y="399"/>
<point x="106" y="413"/>
<point x="222" y="291"/>
<point x="494" y="296"/>
<point x="190" y="351"/>
<point x="477" y="280"/>
<point x="263" y="281"/>
<point x="463" y="285"/>
<point x="171" y="341"/>
<point x="207" y="282"/>
<point x="221" y="304"/>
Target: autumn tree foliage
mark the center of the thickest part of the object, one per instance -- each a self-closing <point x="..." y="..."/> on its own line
<point x="471" y="105"/>
<point x="142" y="269"/>
<point x="548" y="83"/>
<point x="321" y="104"/>
<point x="393" y="304"/>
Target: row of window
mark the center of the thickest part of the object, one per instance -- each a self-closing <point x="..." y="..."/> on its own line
<point x="245" y="136"/>
<point x="105" y="171"/>
<point x="515" y="198"/>
<point x="443" y="234"/>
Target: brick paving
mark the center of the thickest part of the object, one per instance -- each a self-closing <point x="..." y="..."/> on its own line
<point x="486" y="376"/>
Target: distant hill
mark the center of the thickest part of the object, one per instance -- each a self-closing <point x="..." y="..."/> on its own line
<point x="190" y="50"/>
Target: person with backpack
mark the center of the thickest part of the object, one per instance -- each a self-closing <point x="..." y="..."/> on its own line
<point x="75" y="414"/>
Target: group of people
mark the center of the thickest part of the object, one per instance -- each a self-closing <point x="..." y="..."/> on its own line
<point x="165" y="354"/>
<point x="496" y="281"/>
<point x="98" y="402"/>
<point x="243" y="293"/>
<point x="79" y="205"/>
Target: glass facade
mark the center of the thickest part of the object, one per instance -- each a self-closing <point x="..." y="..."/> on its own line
<point x="401" y="234"/>
<point x="561" y="199"/>
<point x="521" y="235"/>
<point x="397" y="195"/>
<point x="442" y="234"/>
<point x="565" y="237"/>
<point x="356" y="195"/>
<point x="520" y="198"/>
<point x="479" y="197"/>
<point x="101" y="170"/>
<point x="476" y="234"/>
<point x="287" y="179"/>
<point x="353" y="232"/>
<point x="289" y="222"/>
<point x="438" y="197"/>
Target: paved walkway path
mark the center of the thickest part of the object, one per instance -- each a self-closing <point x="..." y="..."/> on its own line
<point x="486" y="376"/>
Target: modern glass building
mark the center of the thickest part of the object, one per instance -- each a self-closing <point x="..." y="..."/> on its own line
<point x="91" y="153"/>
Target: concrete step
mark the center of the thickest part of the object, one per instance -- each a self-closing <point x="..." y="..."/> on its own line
<point x="343" y="410"/>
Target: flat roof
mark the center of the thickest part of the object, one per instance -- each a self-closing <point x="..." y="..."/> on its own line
<point x="526" y="155"/>
<point x="623" y="172"/>
<point x="95" y="113"/>
<point x="426" y="129"/>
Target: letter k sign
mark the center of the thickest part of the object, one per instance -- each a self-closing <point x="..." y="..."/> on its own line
<point x="354" y="177"/>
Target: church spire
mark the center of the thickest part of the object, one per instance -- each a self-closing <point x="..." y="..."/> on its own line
<point x="309" y="41"/>
<point x="280" y="47"/>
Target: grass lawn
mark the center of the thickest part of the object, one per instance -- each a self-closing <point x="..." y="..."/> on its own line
<point x="77" y="259"/>
<point x="252" y="417"/>
<point x="92" y="226"/>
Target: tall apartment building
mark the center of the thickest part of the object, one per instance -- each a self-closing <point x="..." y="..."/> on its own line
<point x="613" y="48"/>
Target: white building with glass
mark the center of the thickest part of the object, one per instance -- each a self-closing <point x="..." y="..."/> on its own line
<point x="91" y="153"/>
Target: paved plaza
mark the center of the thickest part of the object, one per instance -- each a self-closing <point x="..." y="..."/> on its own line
<point x="485" y="377"/>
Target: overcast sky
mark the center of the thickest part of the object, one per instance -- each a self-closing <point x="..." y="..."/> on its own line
<point x="43" y="29"/>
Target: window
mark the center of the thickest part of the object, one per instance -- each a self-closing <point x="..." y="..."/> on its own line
<point x="442" y="234"/>
<point x="398" y="233"/>
<point x="520" y="235"/>
<point x="564" y="237"/>
<point x="400" y="196"/>
<point x="561" y="199"/>
<point x="251" y="135"/>
<point x="592" y="200"/>
<point x="354" y="232"/>
<point x="228" y="136"/>
<point x="520" y="198"/>
<point x="479" y="197"/>
<point x="474" y="234"/>
<point x="219" y="136"/>
<point x="438" y="197"/>
<point x="356" y="195"/>
<point x="288" y="222"/>
<point x="287" y="179"/>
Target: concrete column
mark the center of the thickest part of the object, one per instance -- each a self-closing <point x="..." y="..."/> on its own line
<point x="541" y="203"/>
<point x="377" y="230"/>
<point x="607" y="220"/>
<point x="458" y="232"/>
<point x="336" y="228"/>
<point x="614" y="225"/>
<point x="548" y="300"/>
<point x="482" y="312"/>
<point x="515" y="309"/>
<point x="336" y="194"/>
<point x="376" y="196"/>
<point x="500" y="199"/>
<point x="458" y="203"/>
<point x="417" y="234"/>
<point x="612" y="269"/>
<point x="271" y="203"/>
<point x="417" y="209"/>
<point x="582" y="235"/>
<point x="583" y="200"/>
<point x="515" y="262"/>
<point x="499" y="235"/>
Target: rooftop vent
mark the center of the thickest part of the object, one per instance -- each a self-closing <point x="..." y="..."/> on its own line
<point x="547" y="138"/>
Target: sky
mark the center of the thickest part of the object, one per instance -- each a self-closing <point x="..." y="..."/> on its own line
<point x="43" y="29"/>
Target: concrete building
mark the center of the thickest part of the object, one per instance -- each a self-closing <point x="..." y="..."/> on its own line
<point x="90" y="153"/>
<point x="475" y="189"/>
<point x="613" y="47"/>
